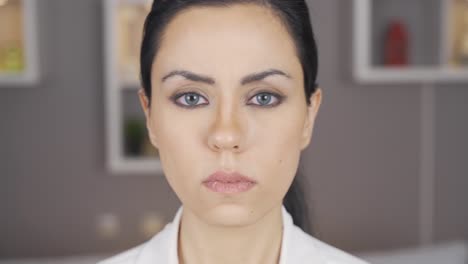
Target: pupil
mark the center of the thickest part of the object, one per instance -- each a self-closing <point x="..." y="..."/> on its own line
<point x="264" y="98"/>
<point x="191" y="98"/>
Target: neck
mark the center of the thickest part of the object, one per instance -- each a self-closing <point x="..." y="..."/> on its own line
<point x="257" y="243"/>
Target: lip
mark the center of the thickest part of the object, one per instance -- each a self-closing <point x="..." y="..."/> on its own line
<point x="228" y="182"/>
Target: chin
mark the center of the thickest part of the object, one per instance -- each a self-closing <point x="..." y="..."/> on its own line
<point x="231" y="215"/>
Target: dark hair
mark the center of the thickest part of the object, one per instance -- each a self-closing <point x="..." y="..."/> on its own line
<point x="293" y="14"/>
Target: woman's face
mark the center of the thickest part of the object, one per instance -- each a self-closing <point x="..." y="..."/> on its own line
<point x="223" y="116"/>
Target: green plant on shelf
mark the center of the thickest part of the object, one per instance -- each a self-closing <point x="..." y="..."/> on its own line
<point x="134" y="136"/>
<point x="11" y="60"/>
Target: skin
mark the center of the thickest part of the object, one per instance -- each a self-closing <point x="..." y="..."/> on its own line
<point x="229" y="128"/>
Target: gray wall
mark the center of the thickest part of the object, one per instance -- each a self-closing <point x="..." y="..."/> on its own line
<point x="362" y="167"/>
<point x="364" y="163"/>
<point x="451" y="204"/>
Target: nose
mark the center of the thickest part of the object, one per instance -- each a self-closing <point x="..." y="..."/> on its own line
<point x="226" y="132"/>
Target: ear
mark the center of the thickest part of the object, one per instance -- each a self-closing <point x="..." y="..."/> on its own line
<point x="145" y="105"/>
<point x="312" y="110"/>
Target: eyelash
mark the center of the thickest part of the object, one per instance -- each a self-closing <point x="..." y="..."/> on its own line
<point x="279" y="98"/>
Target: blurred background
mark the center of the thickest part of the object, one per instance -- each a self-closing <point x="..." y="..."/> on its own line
<point x="386" y="173"/>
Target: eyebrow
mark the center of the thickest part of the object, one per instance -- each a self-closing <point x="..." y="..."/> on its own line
<point x="254" y="77"/>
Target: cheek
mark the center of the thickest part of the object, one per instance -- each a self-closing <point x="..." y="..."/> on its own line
<point x="278" y="153"/>
<point x="280" y="160"/>
<point x="177" y="135"/>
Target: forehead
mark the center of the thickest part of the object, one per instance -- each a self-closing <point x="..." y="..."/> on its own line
<point x="236" y="39"/>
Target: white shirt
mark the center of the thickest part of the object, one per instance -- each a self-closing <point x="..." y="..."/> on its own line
<point x="297" y="247"/>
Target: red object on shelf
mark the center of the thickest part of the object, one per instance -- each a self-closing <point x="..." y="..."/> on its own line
<point x="396" y="45"/>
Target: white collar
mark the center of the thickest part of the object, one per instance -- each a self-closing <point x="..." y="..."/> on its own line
<point x="295" y="248"/>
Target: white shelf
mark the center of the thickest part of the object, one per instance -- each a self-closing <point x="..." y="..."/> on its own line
<point x="379" y="74"/>
<point x="25" y="79"/>
<point x="135" y="165"/>
<point x="30" y="75"/>
<point x="116" y="84"/>
<point x="365" y="71"/>
<point x="130" y="84"/>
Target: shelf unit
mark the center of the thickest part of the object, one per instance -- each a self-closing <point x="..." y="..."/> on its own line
<point x="123" y="21"/>
<point x="434" y="42"/>
<point x="19" y="59"/>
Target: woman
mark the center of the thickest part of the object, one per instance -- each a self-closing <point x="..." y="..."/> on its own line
<point x="230" y="100"/>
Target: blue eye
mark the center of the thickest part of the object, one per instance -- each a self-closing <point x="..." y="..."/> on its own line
<point x="264" y="99"/>
<point x="192" y="99"/>
<point x="189" y="100"/>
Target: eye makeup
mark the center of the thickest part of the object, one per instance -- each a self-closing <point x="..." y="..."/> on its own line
<point x="182" y="96"/>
